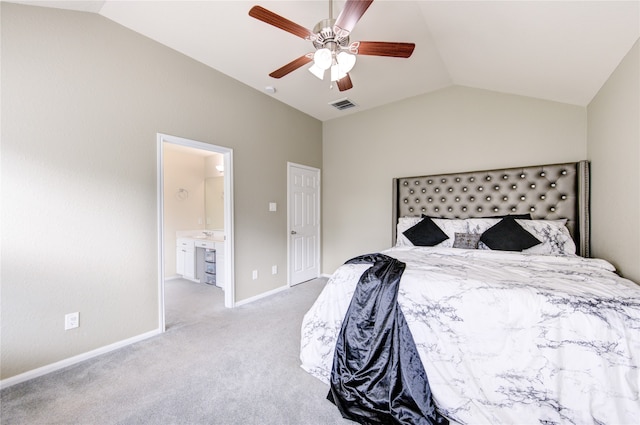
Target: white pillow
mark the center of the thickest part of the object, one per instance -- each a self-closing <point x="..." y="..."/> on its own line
<point x="451" y="226"/>
<point x="554" y="235"/>
<point x="481" y="225"/>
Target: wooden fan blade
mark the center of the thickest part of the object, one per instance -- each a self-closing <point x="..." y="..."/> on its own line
<point x="264" y="15"/>
<point x="351" y="14"/>
<point x="345" y="83"/>
<point x="383" y="48"/>
<point x="291" y="66"/>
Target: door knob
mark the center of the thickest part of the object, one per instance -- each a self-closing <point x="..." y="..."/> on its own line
<point x="293" y="232"/>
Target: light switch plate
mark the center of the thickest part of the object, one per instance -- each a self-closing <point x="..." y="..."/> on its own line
<point x="71" y="321"/>
<point x="273" y="206"/>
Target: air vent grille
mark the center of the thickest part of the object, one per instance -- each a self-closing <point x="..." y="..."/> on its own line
<point x="342" y="104"/>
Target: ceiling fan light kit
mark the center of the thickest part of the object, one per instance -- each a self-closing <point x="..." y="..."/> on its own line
<point x="346" y="61"/>
<point x="336" y="74"/>
<point x="323" y="58"/>
<point x="317" y="71"/>
<point x="330" y="38"/>
<point x="340" y="64"/>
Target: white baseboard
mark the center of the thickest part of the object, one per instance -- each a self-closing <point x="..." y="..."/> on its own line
<point x="263" y="295"/>
<point x="108" y="348"/>
<point x="75" y="359"/>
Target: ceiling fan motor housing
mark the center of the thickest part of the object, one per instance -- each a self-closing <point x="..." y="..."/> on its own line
<point x="326" y="37"/>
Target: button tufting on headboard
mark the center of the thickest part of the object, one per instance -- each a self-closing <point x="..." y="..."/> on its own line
<point x="549" y="192"/>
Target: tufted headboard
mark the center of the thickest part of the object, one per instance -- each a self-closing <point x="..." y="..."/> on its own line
<point x="546" y="191"/>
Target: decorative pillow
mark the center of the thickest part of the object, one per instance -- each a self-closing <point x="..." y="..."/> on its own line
<point x="405" y="223"/>
<point x="448" y="226"/>
<point x="555" y="237"/>
<point x="425" y="233"/>
<point x="508" y="235"/>
<point x="466" y="240"/>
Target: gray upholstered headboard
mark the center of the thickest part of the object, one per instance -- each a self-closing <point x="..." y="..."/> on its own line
<point x="546" y="191"/>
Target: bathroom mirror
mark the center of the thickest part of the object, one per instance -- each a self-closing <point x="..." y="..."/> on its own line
<point x="214" y="203"/>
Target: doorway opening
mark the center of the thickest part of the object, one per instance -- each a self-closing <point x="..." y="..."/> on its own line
<point x="207" y="221"/>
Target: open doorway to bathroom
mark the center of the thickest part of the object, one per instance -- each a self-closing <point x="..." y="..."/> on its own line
<point x="195" y="187"/>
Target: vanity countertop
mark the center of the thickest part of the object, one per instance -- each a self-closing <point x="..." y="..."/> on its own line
<point x="201" y="235"/>
<point x="197" y="239"/>
<point x="205" y="238"/>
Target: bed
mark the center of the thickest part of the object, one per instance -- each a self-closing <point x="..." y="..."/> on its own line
<point x="507" y="331"/>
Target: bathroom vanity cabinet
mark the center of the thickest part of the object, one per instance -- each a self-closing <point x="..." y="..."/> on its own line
<point x="201" y="260"/>
<point x="185" y="258"/>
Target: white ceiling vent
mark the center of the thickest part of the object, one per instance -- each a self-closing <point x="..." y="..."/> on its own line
<point x="342" y="104"/>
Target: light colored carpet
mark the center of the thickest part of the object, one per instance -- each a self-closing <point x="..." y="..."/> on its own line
<point x="212" y="366"/>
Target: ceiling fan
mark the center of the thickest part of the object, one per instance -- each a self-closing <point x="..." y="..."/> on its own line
<point x="330" y="37"/>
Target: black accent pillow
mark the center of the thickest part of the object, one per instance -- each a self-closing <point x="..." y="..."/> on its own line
<point x="508" y="235"/>
<point x="425" y="233"/>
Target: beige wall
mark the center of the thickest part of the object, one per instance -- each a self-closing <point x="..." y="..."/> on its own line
<point x="214" y="201"/>
<point x="454" y="129"/>
<point x="214" y="193"/>
<point x="614" y="152"/>
<point x="82" y="102"/>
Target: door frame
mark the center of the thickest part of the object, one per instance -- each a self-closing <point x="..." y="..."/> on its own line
<point x="227" y="153"/>
<point x="291" y="165"/>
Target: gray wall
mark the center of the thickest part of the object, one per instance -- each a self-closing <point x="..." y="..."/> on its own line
<point x="614" y="152"/>
<point x="454" y="129"/>
<point x="82" y="101"/>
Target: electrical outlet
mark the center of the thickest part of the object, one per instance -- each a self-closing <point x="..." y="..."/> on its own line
<point x="71" y="321"/>
<point x="274" y="269"/>
<point x="255" y="274"/>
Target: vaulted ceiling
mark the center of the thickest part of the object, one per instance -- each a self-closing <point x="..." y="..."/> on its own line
<point x="556" y="50"/>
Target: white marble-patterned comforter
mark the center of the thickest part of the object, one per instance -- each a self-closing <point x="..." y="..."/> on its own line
<point x="506" y="338"/>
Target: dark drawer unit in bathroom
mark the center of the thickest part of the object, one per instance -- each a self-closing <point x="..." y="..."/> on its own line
<point x="209" y="276"/>
<point x="206" y="262"/>
<point x="210" y="262"/>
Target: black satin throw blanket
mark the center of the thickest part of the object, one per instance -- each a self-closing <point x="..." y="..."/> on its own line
<point x="377" y="376"/>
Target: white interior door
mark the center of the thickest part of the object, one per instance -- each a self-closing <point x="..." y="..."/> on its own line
<point x="304" y="223"/>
